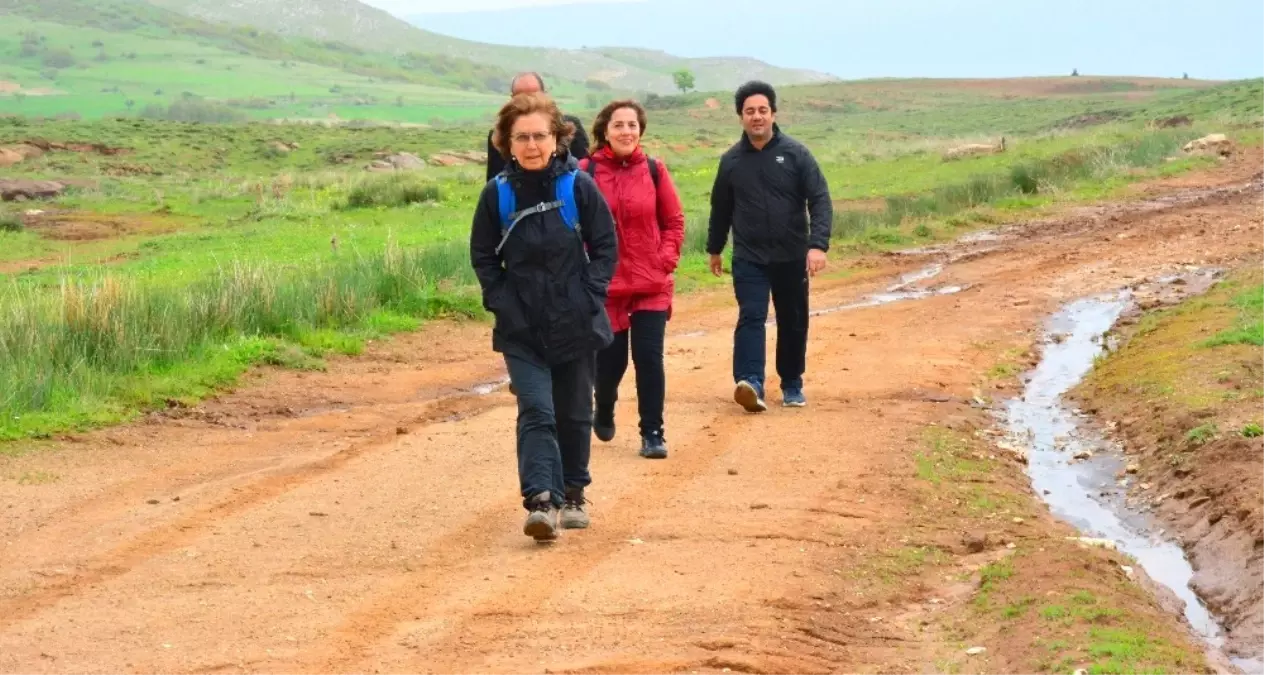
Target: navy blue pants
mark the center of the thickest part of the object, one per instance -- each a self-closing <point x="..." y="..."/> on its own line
<point x="787" y="283"/>
<point x="554" y="425"/>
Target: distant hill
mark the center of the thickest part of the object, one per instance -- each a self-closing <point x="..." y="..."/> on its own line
<point x="354" y="23"/>
<point x="102" y="57"/>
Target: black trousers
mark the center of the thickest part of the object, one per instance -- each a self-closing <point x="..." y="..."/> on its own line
<point x="646" y="340"/>
<point x="554" y="425"/>
<point x="787" y="283"/>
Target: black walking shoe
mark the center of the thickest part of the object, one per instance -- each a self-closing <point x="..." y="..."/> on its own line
<point x="653" y="446"/>
<point x="575" y="510"/>
<point x="603" y="423"/>
<point x="541" y="522"/>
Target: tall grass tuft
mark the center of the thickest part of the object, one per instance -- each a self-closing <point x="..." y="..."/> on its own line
<point x="80" y="348"/>
<point x="391" y="190"/>
<point x="1027" y="177"/>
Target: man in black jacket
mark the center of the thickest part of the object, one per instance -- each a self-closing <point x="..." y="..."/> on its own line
<point x="527" y="83"/>
<point x="770" y="191"/>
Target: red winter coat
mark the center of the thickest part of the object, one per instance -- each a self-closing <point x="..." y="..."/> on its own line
<point x="651" y="229"/>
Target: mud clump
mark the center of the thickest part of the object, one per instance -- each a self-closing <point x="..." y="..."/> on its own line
<point x="26" y="190"/>
<point x="1090" y="119"/>
<point x="1172" y="122"/>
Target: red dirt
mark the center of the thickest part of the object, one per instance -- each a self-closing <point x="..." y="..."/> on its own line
<point x="366" y="519"/>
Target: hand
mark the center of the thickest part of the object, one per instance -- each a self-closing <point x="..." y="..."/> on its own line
<point x="717" y="265"/>
<point x="816" y="261"/>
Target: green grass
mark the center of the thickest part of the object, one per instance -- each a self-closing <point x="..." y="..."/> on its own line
<point x="101" y="348"/>
<point x="1249" y="327"/>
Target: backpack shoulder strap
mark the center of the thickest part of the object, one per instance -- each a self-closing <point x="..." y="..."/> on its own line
<point x="564" y="192"/>
<point x="653" y="170"/>
<point x="506" y="200"/>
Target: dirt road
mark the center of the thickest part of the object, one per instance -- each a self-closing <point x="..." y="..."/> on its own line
<point x="366" y="518"/>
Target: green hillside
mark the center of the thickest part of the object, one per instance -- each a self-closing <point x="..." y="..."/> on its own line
<point x="355" y="23"/>
<point x="96" y="58"/>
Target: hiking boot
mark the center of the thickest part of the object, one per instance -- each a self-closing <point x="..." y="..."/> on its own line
<point x="749" y="397"/>
<point x="653" y="446"/>
<point x="603" y="423"/>
<point x="575" y="510"/>
<point x="793" y="398"/>
<point x="541" y="518"/>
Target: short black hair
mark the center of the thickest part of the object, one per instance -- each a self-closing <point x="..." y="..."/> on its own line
<point x="754" y="88"/>
<point x="531" y="73"/>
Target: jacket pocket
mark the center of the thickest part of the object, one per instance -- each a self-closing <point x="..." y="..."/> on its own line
<point x="503" y="303"/>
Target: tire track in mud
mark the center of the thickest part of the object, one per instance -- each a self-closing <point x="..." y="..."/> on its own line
<point x="189" y="528"/>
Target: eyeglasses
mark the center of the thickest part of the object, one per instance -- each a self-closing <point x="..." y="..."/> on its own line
<point x="539" y="137"/>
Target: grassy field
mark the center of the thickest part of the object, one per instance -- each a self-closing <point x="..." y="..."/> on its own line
<point x="109" y="58"/>
<point x="200" y="249"/>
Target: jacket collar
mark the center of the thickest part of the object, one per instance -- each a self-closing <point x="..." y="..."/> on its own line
<point x="606" y="156"/>
<point x="776" y="138"/>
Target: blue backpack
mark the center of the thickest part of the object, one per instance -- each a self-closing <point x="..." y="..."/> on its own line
<point x="564" y="199"/>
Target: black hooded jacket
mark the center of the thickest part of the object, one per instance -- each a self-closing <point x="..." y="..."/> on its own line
<point x="766" y="196"/>
<point x="546" y="291"/>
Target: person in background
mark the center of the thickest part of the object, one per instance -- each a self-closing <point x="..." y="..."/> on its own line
<point x="650" y="223"/>
<point x="769" y="189"/>
<point x="530" y="83"/>
<point x="544" y="248"/>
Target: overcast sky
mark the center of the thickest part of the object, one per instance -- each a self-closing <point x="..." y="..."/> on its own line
<point x="1221" y="39"/>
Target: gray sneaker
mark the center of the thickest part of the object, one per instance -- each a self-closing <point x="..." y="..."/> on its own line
<point x="575" y="510"/>
<point x="541" y="518"/>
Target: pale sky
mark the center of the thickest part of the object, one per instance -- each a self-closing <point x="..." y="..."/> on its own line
<point x="403" y="7"/>
<point x="1221" y="39"/>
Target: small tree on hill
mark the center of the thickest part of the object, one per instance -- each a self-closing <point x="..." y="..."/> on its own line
<point x="1075" y="72"/>
<point x="1184" y="76"/>
<point x="683" y="79"/>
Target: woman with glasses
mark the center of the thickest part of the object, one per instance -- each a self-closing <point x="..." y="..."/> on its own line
<point x="543" y="246"/>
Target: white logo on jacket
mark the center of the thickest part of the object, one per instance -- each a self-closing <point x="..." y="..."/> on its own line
<point x="781" y="160"/>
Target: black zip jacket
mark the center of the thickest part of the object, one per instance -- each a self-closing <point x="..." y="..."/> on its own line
<point x="578" y="147"/>
<point x="765" y="197"/>
<point x="547" y="295"/>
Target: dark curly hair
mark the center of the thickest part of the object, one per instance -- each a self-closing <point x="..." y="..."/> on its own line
<point x="603" y="120"/>
<point x="754" y="88"/>
<point x="528" y="104"/>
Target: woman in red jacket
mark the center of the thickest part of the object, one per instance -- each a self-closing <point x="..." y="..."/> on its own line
<point x="650" y="223"/>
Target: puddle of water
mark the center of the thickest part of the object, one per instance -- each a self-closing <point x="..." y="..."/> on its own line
<point x="889" y="297"/>
<point x="488" y="388"/>
<point x="929" y="272"/>
<point x="1084" y="493"/>
<point x="979" y="237"/>
<point x="894" y="293"/>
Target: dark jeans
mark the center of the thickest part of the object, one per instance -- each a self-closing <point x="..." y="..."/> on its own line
<point x="647" y="333"/>
<point x="554" y="425"/>
<point x="788" y="285"/>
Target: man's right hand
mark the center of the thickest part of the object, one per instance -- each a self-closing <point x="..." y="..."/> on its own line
<point x="717" y="265"/>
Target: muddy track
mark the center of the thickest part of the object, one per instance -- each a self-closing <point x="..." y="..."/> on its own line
<point x="366" y="518"/>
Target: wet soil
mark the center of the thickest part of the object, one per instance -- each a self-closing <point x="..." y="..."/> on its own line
<point x="366" y="518"/>
<point x="1207" y="492"/>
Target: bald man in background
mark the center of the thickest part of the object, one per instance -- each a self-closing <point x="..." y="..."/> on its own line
<point x="527" y="83"/>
